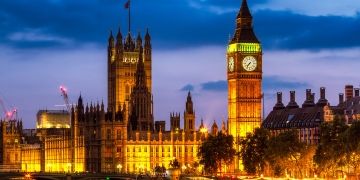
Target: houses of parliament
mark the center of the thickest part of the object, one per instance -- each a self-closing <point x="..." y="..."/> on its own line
<point x="123" y="137"/>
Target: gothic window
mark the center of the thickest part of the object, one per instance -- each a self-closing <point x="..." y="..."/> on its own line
<point x="127" y="89"/>
<point x="108" y="134"/>
<point x="118" y="134"/>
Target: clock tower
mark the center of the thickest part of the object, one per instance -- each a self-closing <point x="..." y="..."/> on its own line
<point x="244" y="75"/>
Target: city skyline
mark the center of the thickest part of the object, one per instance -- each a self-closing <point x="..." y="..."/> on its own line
<point x="35" y="46"/>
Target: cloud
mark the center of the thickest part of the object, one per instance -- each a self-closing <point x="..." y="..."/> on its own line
<point x="172" y="24"/>
<point x="314" y="8"/>
<point x="276" y="82"/>
<point x="214" y="86"/>
<point x="187" y="87"/>
<point x="269" y="83"/>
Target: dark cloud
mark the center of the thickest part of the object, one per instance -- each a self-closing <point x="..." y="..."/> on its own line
<point x="172" y="24"/>
<point x="230" y="3"/>
<point x="188" y="87"/>
<point x="270" y="83"/>
<point x="214" y="86"/>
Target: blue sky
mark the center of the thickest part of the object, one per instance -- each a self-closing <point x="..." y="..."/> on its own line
<point x="48" y="43"/>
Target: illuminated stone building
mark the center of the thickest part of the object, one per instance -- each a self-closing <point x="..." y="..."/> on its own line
<point x="244" y="75"/>
<point x="123" y="55"/>
<point x="52" y="119"/>
<point x="308" y="118"/>
<point x="10" y="149"/>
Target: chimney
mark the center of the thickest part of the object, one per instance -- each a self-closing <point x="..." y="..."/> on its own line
<point x="322" y="101"/>
<point x="308" y="94"/>
<point x="309" y="101"/>
<point x="279" y="97"/>
<point x="341" y="98"/>
<point x="312" y="98"/>
<point x="356" y="92"/>
<point x="279" y="104"/>
<point x="349" y="92"/>
<point x="322" y="93"/>
<point x="292" y="103"/>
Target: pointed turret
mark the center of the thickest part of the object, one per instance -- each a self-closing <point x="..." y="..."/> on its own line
<point x="111" y="40"/>
<point x="147" y="38"/>
<point x="119" y="37"/>
<point x="189" y="114"/>
<point x="244" y="10"/>
<point x="201" y="124"/>
<point x="244" y="31"/>
<point x="138" y="41"/>
<point x="189" y="104"/>
<point x="140" y="75"/>
<point x="119" y="43"/>
<point x="129" y="43"/>
<point x="223" y="127"/>
<point x="214" y="128"/>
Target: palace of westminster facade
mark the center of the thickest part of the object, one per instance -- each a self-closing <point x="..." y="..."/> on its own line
<point x="124" y="137"/>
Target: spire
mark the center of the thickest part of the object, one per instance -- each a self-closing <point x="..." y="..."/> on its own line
<point x="147" y="42"/>
<point x="223" y="127"/>
<point x="189" y="104"/>
<point x="119" y="40"/>
<point x="201" y="124"/>
<point x="138" y="41"/>
<point x="140" y="76"/>
<point x="119" y="36"/>
<point x="147" y="35"/>
<point x="111" y="40"/>
<point x="129" y="43"/>
<point x="244" y="10"/>
<point x="244" y="30"/>
<point x="80" y="100"/>
<point x="214" y="128"/>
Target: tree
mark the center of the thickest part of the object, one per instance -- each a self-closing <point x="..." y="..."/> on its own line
<point x="285" y="152"/>
<point x="160" y="170"/>
<point x="351" y="139"/>
<point x="216" y="151"/>
<point x="330" y="152"/>
<point x="174" y="164"/>
<point x="253" y="151"/>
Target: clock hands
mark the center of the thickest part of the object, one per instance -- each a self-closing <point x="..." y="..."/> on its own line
<point x="248" y="64"/>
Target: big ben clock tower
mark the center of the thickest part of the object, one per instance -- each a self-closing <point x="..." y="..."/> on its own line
<point x="244" y="74"/>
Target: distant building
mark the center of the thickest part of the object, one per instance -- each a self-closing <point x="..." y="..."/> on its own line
<point x="52" y="119"/>
<point x="308" y="118"/>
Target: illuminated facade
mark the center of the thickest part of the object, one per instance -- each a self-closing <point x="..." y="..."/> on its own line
<point x="10" y="149"/>
<point x="52" y="119"/>
<point x="308" y="118"/>
<point x="123" y="55"/>
<point x="112" y="145"/>
<point x="244" y="74"/>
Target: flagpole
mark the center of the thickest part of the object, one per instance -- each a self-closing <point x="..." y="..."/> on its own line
<point x="129" y="14"/>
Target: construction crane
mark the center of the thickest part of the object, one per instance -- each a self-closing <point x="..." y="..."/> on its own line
<point x="8" y="114"/>
<point x="64" y="94"/>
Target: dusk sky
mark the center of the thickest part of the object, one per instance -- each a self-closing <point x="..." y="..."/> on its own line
<point x="48" y="43"/>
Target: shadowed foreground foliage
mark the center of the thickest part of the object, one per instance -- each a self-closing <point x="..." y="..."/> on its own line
<point x="216" y="151"/>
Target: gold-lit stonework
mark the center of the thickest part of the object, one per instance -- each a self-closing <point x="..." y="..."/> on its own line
<point x="244" y="82"/>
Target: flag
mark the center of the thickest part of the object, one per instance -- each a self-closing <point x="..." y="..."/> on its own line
<point x="127" y="4"/>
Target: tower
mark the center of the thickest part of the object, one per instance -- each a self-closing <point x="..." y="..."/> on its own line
<point x="189" y="114"/>
<point x="123" y="56"/>
<point x="244" y="75"/>
<point x="141" y="103"/>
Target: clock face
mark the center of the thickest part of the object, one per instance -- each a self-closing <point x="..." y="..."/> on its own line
<point x="231" y="64"/>
<point x="249" y="63"/>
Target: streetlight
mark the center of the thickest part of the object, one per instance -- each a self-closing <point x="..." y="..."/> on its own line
<point x="119" y="166"/>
